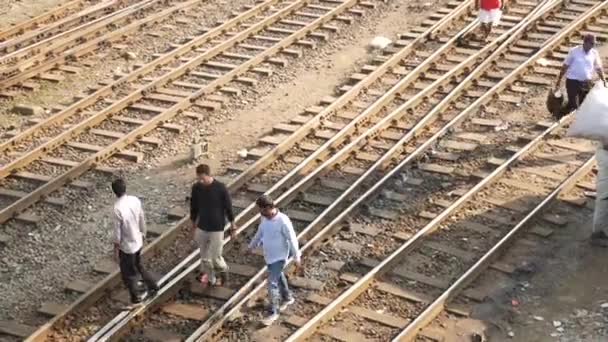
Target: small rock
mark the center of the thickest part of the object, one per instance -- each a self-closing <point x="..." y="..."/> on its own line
<point x="27" y="109"/>
<point x="380" y="43"/>
<point x="129" y="55"/>
<point x="476" y="338"/>
<point x="242" y="153"/>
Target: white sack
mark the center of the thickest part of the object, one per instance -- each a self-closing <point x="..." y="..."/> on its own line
<point x="591" y="118"/>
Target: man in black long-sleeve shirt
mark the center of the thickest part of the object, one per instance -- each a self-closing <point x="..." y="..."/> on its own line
<point x="210" y="204"/>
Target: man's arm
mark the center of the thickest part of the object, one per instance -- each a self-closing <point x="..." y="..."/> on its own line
<point x="598" y="68"/>
<point x="292" y="239"/>
<point x="142" y="220"/>
<point x="257" y="239"/>
<point x="117" y="233"/>
<point x="228" y="207"/>
<point x="562" y="72"/>
<point x="194" y="205"/>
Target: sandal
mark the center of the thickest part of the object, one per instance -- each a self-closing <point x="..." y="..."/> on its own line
<point x="203" y="279"/>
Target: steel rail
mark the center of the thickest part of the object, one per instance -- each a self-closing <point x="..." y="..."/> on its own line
<point x="91" y="45"/>
<point x="55" y="29"/>
<point x="46" y="46"/>
<point x="151" y="66"/>
<point x="206" y="331"/>
<point x="362" y="283"/>
<point x="113" y="279"/>
<point x="433" y="310"/>
<point x="36" y="21"/>
<point x="183" y="104"/>
<point x="121" y="321"/>
<point x="344" y="99"/>
<point x="173" y="110"/>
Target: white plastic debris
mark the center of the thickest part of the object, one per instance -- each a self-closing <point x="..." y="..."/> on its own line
<point x="242" y="153"/>
<point x="604" y="305"/>
<point x="511" y="334"/>
<point x="557" y="324"/>
<point x="538" y="318"/>
<point x="380" y="43"/>
<point x="502" y="127"/>
<point x="542" y="61"/>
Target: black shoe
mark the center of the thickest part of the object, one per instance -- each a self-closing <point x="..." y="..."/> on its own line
<point x="152" y="291"/>
<point x="599" y="239"/>
<point x="223" y="276"/>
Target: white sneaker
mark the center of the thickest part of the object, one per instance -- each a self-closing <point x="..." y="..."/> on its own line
<point x="287" y="303"/>
<point x="268" y="320"/>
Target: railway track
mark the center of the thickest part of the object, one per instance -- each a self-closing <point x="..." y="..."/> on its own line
<point x="193" y="312"/>
<point x="54" y="52"/>
<point x="18" y="43"/>
<point x="447" y="241"/>
<point x="306" y="12"/>
<point x="51" y="16"/>
<point x="150" y="102"/>
<point x="278" y="151"/>
<point x="305" y="155"/>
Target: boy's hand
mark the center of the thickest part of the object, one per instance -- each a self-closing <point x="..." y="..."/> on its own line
<point x="116" y="254"/>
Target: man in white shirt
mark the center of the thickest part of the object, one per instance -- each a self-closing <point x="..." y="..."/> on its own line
<point x="129" y="234"/>
<point x="578" y="67"/>
<point x="279" y="241"/>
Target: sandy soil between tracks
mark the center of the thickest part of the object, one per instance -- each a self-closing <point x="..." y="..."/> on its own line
<point x="84" y="233"/>
<point x="564" y="299"/>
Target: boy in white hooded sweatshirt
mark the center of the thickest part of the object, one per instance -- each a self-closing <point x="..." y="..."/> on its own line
<point x="279" y="242"/>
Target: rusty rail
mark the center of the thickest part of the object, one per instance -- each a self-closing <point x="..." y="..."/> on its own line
<point x="93" y="44"/>
<point x="117" y="326"/>
<point x="360" y="286"/>
<point x="36" y="21"/>
<point x="28" y="40"/>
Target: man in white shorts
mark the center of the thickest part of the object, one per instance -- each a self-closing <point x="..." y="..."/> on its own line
<point x="490" y="12"/>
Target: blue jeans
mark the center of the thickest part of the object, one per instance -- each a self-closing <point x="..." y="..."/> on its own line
<point x="277" y="285"/>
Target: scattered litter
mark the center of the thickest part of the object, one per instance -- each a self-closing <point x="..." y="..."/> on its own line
<point x="380" y="311"/>
<point x="538" y="318"/>
<point x="555" y="334"/>
<point x="514" y="302"/>
<point x="380" y="43"/>
<point x="604" y="305"/>
<point x="502" y="127"/>
<point x="557" y="324"/>
<point x="242" y="153"/>
<point x="560" y="329"/>
<point x="580" y="313"/>
<point x="542" y="61"/>
<point x="511" y="334"/>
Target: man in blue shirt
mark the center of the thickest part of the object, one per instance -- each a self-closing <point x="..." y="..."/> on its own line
<point x="279" y="241"/>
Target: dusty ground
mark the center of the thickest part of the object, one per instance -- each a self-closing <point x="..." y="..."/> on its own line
<point x="82" y="238"/>
<point x="563" y="298"/>
<point x="16" y="11"/>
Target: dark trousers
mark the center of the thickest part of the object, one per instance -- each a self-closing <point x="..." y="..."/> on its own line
<point x="577" y="91"/>
<point x="131" y="270"/>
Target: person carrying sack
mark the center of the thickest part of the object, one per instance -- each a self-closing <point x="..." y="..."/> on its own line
<point x="578" y="68"/>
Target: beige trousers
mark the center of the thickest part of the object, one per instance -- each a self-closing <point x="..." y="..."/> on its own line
<point x="211" y="245"/>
